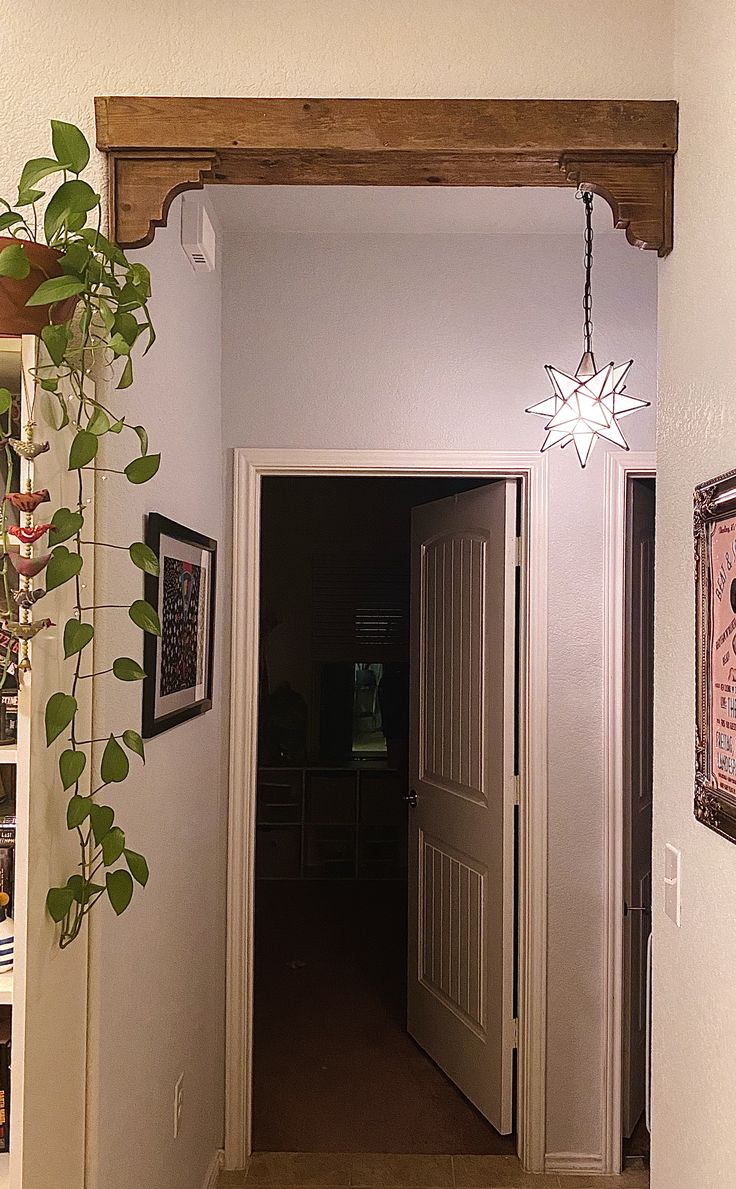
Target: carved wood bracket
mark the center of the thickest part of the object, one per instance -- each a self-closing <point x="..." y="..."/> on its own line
<point x="623" y="150"/>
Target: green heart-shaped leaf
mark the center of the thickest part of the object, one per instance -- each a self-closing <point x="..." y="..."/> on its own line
<point x="71" y="766"/>
<point x="63" y="566"/>
<point x="68" y="207"/>
<point x="118" y="345"/>
<point x="6" y="400"/>
<point x="58" y="903"/>
<point x="115" y="764"/>
<point x="140" y="470"/>
<point x="14" y="263"/>
<point x="77" y="811"/>
<point x="144" y="617"/>
<point x="102" y="818"/>
<point x="138" y="867"/>
<point x="134" y="742"/>
<point x="126" y="375"/>
<point x="99" y="423"/>
<point x="119" y="889"/>
<point x="55" y="340"/>
<point x="70" y="146"/>
<point x="60" y="710"/>
<point x="84" y="448"/>
<point x="144" y="558"/>
<point x="127" y="326"/>
<point x="76" y="260"/>
<point x="35" y="170"/>
<point x="141" y="278"/>
<point x="9" y="219"/>
<point x="142" y="438"/>
<point x="55" y="289"/>
<point x="126" y="669"/>
<point x="113" y="845"/>
<point x="76" y="636"/>
<point x="64" y="524"/>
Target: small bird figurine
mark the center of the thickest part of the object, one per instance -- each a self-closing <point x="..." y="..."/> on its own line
<point x="26" y="631"/>
<point x="27" y="450"/>
<point x="26" y="598"/>
<point x="28" y="567"/>
<point x="27" y="534"/>
<point x="28" y="501"/>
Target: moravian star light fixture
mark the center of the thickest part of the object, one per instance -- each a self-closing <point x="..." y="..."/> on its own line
<point x="589" y="404"/>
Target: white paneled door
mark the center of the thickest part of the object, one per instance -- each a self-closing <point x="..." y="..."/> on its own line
<point x="461" y="825"/>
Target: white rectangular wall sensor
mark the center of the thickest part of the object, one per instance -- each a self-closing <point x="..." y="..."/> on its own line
<point x="198" y="232"/>
<point x="672" y="873"/>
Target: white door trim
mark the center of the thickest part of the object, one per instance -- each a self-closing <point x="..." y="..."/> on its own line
<point x="619" y="469"/>
<point x="250" y="466"/>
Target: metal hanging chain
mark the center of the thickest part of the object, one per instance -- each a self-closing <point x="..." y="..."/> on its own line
<point x="587" y="198"/>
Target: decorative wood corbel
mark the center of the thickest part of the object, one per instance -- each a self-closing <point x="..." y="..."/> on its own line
<point x="143" y="187"/>
<point x="638" y="191"/>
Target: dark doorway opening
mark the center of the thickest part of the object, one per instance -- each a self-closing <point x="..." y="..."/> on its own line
<point x="334" y="1068"/>
<point x="638" y="779"/>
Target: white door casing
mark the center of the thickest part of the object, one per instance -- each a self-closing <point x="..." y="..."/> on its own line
<point x="619" y="467"/>
<point x="250" y="465"/>
<point x="461" y="830"/>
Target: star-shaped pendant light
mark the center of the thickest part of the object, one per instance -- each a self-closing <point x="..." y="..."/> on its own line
<point x="588" y="405"/>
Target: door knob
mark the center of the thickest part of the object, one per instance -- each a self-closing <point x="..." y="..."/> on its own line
<point x="411" y="798"/>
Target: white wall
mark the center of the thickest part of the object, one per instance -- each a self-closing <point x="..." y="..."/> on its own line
<point x="157" y="973"/>
<point x="694" y="1140"/>
<point x="53" y="66"/>
<point x="440" y="341"/>
<point x="467" y="48"/>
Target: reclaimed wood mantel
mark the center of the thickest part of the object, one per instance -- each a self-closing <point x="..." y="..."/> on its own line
<point x="622" y="150"/>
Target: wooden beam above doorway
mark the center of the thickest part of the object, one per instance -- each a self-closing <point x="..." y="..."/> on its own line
<point x="623" y="150"/>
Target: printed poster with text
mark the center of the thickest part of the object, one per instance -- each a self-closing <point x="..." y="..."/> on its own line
<point x="723" y="654"/>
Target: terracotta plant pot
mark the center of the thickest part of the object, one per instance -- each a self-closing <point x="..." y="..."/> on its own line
<point x="15" y="317"/>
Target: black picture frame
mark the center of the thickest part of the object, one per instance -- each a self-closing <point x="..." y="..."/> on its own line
<point x="714" y="524"/>
<point x="154" y="720"/>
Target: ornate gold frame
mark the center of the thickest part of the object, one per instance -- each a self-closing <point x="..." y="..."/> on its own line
<point x="714" y="807"/>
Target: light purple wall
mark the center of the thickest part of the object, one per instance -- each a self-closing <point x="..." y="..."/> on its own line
<point x="440" y="342"/>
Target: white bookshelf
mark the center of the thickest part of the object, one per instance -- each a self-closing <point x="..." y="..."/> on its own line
<point x="4" y="1170"/>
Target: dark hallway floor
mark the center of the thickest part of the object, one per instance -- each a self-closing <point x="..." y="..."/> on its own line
<point x="334" y="1069"/>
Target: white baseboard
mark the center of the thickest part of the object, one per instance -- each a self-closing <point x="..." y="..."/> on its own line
<point x="574" y="1162"/>
<point x="213" y="1172"/>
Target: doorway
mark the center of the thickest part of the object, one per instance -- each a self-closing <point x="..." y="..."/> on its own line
<point x="370" y="588"/>
<point x="252" y="469"/>
<point x="637" y="811"/>
<point x="628" y="685"/>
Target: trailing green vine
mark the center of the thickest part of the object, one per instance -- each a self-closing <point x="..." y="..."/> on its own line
<point x="95" y="309"/>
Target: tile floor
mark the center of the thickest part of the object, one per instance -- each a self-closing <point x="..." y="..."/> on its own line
<point x="315" y="1170"/>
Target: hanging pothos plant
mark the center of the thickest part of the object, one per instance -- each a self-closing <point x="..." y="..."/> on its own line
<point x="62" y="279"/>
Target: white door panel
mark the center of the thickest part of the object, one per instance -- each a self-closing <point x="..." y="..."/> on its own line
<point x="461" y="870"/>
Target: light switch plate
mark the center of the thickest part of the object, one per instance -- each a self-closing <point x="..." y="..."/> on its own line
<point x="672" y="875"/>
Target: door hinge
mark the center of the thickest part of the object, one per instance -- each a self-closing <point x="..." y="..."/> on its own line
<point x="517" y="789"/>
<point x="516" y="1033"/>
<point x="519" y="551"/>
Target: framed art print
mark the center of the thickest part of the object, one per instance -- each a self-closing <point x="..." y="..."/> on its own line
<point x="178" y="664"/>
<point x="715" y="593"/>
